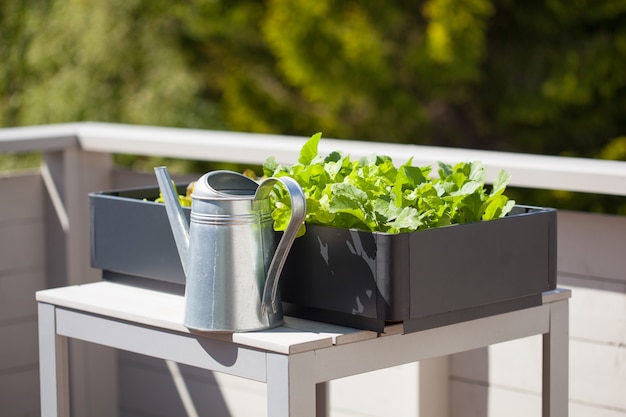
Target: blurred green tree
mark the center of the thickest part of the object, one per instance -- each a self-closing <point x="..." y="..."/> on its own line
<point x="113" y="60"/>
<point x="535" y="76"/>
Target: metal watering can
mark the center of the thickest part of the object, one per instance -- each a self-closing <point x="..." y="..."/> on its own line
<point x="231" y="263"/>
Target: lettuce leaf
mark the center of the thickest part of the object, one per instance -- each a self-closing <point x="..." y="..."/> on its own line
<point x="373" y="194"/>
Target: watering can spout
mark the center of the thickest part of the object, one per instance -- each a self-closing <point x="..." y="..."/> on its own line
<point x="175" y="215"/>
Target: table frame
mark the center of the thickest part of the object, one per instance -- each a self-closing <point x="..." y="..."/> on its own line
<point x="295" y="374"/>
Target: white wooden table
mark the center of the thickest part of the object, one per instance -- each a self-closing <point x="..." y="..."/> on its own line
<point x="292" y="360"/>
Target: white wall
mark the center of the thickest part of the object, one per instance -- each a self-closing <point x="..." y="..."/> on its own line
<point x="22" y="272"/>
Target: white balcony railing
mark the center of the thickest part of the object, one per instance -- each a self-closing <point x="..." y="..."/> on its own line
<point x="530" y="171"/>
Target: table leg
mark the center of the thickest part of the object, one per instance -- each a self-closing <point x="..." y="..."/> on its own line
<point x="556" y="362"/>
<point x="53" y="365"/>
<point x="291" y="385"/>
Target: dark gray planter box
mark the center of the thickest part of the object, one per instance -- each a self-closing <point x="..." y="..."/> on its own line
<point x="130" y="237"/>
<point x="424" y="279"/>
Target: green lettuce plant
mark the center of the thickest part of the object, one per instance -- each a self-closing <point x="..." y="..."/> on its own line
<point x="373" y="194"/>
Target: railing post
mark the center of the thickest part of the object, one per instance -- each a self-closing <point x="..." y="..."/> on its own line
<point x="69" y="175"/>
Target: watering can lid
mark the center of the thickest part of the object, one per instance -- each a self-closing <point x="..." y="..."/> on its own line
<point x="225" y="185"/>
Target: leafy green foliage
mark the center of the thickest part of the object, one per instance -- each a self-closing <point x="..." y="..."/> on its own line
<point x="372" y="194"/>
<point x="534" y="76"/>
<point x="118" y="61"/>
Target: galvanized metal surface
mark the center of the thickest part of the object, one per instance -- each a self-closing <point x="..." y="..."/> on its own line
<point x="228" y="253"/>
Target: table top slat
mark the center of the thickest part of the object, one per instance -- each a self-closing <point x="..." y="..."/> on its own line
<point x="340" y="334"/>
<point x="166" y="311"/>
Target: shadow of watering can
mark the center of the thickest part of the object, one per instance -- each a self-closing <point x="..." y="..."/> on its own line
<point x="228" y="252"/>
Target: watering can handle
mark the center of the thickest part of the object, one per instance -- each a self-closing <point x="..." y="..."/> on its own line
<point x="298" y="213"/>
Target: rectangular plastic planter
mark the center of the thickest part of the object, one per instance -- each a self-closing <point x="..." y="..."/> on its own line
<point x="361" y="279"/>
